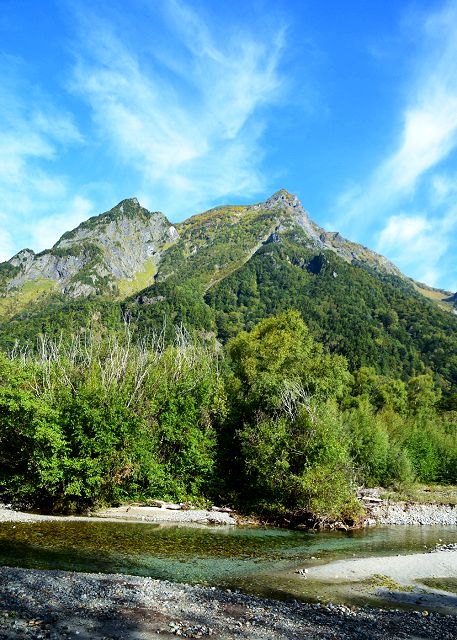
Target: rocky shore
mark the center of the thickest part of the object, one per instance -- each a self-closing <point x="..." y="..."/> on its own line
<point x="410" y="513"/>
<point x="433" y="510"/>
<point x="379" y="512"/>
<point x="163" y="513"/>
<point x="59" y="605"/>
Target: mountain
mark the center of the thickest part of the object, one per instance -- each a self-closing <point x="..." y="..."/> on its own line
<point x="119" y="251"/>
<point x="221" y="272"/>
<point x="453" y="300"/>
<point x="99" y="255"/>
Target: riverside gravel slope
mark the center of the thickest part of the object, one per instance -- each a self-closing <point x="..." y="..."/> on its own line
<point x="384" y="513"/>
<point x="410" y="513"/>
<point x="61" y="605"/>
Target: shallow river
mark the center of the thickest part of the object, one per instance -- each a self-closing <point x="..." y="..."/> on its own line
<point x="254" y="560"/>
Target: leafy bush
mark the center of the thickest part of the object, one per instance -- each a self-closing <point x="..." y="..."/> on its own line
<point x="273" y="423"/>
<point x="103" y="420"/>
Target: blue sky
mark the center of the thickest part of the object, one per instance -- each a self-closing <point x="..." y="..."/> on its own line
<point x="190" y="103"/>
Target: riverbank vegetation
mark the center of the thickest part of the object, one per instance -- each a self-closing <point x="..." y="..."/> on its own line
<point x="431" y="494"/>
<point x="271" y="423"/>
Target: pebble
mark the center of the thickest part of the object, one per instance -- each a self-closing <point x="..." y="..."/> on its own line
<point x="406" y="513"/>
<point x="445" y="547"/>
<point x="50" y="604"/>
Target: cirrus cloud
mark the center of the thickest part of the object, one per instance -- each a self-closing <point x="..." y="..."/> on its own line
<point x="410" y="177"/>
<point x="34" y="135"/>
<point x="192" y="139"/>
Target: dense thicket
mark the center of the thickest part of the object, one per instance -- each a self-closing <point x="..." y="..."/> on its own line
<point x="272" y="423"/>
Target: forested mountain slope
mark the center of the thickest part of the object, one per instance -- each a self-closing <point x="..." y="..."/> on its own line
<point x="221" y="272"/>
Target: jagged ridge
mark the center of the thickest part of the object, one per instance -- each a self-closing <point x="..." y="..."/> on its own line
<point x="90" y="259"/>
<point x="128" y="249"/>
<point x="221" y="272"/>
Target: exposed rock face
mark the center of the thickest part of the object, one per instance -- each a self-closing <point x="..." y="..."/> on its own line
<point x="414" y="513"/>
<point x="327" y="240"/>
<point x="282" y="199"/>
<point x="113" y="246"/>
<point x="357" y="253"/>
<point x="23" y="259"/>
<point x="119" y="245"/>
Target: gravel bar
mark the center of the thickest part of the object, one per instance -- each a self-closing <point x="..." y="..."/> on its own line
<point x="384" y="513"/>
<point x="63" y="605"/>
<point x="407" y="513"/>
<point x="129" y="514"/>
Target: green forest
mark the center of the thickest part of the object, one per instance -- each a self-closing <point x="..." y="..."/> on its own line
<point x="275" y="422"/>
<point x="372" y="319"/>
<point x="268" y="365"/>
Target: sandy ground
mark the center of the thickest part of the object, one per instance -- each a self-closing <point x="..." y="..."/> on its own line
<point x="402" y="569"/>
<point x="129" y="514"/>
<point x="392" y="580"/>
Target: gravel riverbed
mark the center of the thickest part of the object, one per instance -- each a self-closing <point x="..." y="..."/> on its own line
<point x="410" y="513"/>
<point x="382" y="513"/>
<point x="61" y="605"/>
<point x="65" y="605"/>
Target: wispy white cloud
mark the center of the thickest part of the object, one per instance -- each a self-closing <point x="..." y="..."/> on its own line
<point x="443" y="188"/>
<point x="6" y="244"/>
<point x="184" y="122"/>
<point x="33" y="195"/>
<point x="46" y="231"/>
<point x="427" y="138"/>
<point x="429" y="134"/>
<point x="417" y="243"/>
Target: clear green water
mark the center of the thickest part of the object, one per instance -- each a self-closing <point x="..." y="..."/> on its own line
<point x="255" y="560"/>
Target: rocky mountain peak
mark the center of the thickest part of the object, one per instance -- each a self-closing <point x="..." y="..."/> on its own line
<point x="284" y="199"/>
<point x="102" y="251"/>
<point x="323" y="240"/>
<point x="128" y="206"/>
<point x="23" y="257"/>
<point x="117" y="217"/>
<point x="289" y="202"/>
